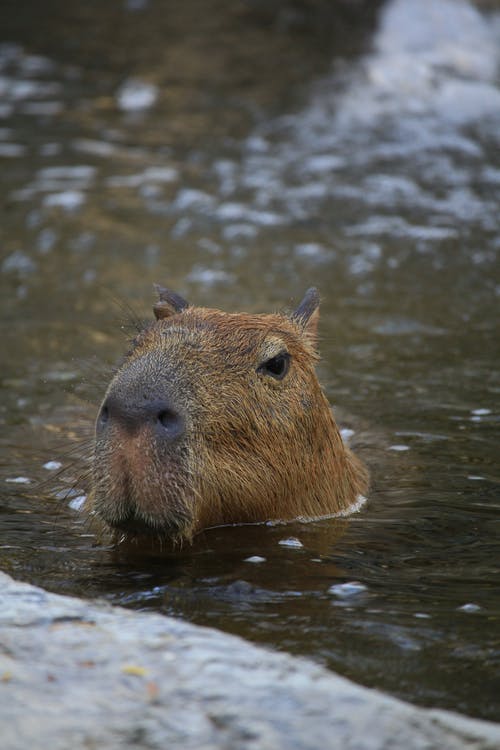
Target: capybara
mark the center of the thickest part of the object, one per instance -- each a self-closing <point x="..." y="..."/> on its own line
<point x="218" y="418"/>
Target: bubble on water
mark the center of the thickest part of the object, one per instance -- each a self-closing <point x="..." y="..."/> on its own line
<point x="231" y="211"/>
<point x="150" y="192"/>
<point x="470" y="607"/>
<point x="68" y="200"/>
<point x="52" y="465"/>
<point x="480" y="412"/>
<point x="239" y="231"/>
<point x="36" y="65"/>
<point x="265" y="218"/>
<point x="209" y="276"/>
<point x="12" y="150"/>
<point x="255" y="559"/>
<point x="365" y="261"/>
<point x="206" y="243"/>
<point x="399" y="448"/>
<point x="181" y="227"/>
<point x="60" y="376"/>
<point x="475" y="477"/>
<point x="291" y="542"/>
<point x="346" y="434"/>
<point x="18" y="480"/>
<point x="18" y="262"/>
<point x="94" y="147"/>
<point x="135" y="95"/>
<point x="348" y="589"/>
<point x="79" y="172"/>
<point x="312" y="251"/>
<point x="320" y="163"/>
<point x="257" y="144"/>
<point x="77" y="502"/>
<point x="151" y="174"/>
<point x="46" y="240"/>
<point x="189" y="198"/>
<point x="22" y="89"/>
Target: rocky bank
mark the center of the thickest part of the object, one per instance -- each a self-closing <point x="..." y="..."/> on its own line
<point x="80" y="674"/>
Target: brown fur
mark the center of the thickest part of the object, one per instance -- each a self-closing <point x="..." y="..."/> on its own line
<point x="253" y="448"/>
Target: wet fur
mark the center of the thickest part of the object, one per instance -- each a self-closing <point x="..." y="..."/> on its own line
<point x="255" y="448"/>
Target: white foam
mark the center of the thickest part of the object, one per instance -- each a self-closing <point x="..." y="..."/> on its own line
<point x="431" y="57"/>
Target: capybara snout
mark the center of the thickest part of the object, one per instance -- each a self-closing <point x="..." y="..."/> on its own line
<point x="218" y="418"/>
<point x="141" y="398"/>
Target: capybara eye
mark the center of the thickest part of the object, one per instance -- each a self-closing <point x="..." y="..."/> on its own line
<point x="277" y="367"/>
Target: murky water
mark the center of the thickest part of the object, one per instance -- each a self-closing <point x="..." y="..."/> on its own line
<point x="241" y="155"/>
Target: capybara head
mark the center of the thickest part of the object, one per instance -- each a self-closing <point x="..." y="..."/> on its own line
<point x="217" y="418"/>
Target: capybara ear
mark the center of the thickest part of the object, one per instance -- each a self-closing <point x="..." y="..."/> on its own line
<point x="306" y="316"/>
<point x="169" y="303"/>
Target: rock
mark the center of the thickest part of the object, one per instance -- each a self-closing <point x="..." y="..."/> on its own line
<point x="80" y="674"/>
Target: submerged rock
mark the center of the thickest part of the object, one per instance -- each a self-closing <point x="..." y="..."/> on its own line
<point x="80" y="674"/>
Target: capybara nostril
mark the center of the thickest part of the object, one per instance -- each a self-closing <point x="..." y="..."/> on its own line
<point x="131" y="411"/>
<point x="171" y="422"/>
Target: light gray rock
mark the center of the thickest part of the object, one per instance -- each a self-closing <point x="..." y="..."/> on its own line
<point x="76" y="674"/>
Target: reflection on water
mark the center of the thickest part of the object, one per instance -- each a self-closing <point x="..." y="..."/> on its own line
<point x="366" y="161"/>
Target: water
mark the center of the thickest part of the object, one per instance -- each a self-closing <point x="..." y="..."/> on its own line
<point x="363" y="158"/>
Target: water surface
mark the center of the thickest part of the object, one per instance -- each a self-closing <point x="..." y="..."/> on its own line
<point x="240" y="156"/>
